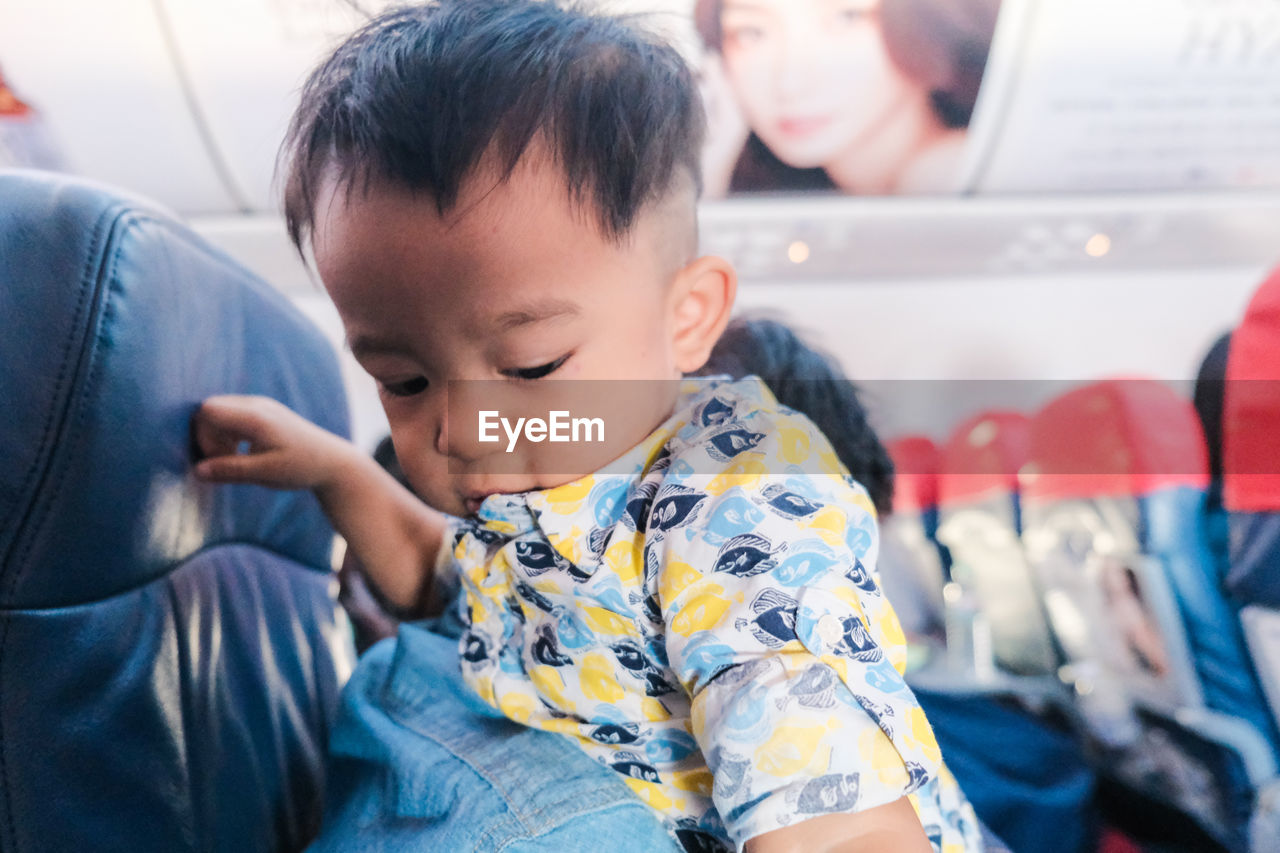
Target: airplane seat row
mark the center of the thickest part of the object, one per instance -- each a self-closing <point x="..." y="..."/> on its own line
<point x="1086" y="536"/>
<point x="1114" y="526"/>
<point x="1038" y="777"/>
<point x="170" y="651"/>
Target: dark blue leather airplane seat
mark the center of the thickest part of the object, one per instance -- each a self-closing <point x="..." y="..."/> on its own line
<point x="170" y="651"/>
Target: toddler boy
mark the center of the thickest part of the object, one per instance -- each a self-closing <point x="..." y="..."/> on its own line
<point x="500" y="194"/>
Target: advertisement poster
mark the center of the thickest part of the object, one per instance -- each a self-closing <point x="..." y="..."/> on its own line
<point x="938" y="97"/>
<point x="861" y="97"/>
<point x="1140" y="95"/>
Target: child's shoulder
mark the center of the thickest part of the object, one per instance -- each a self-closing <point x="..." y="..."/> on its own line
<point x="718" y="406"/>
<point x="737" y="436"/>
<point x="731" y="422"/>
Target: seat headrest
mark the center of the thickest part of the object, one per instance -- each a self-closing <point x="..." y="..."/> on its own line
<point x="1117" y="437"/>
<point x="982" y="457"/>
<point x="118" y="322"/>
<point x="915" y="473"/>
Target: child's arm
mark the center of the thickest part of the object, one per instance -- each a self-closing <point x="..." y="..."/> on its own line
<point x="393" y="534"/>
<point x="891" y="827"/>
<point x="793" y="658"/>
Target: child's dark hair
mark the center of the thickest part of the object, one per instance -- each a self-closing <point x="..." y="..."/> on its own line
<point x="421" y="96"/>
<point x="811" y="383"/>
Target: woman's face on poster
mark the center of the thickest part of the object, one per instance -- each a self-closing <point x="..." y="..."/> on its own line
<point x="812" y="77"/>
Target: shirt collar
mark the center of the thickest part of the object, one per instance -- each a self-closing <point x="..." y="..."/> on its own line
<point x="567" y="514"/>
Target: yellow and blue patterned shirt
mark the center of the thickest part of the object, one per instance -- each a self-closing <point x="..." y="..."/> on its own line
<point x="708" y="623"/>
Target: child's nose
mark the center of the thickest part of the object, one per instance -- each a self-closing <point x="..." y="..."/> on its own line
<point x="452" y="438"/>
<point x="457" y="436"/>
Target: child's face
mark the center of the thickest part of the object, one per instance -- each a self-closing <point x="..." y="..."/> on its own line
<point x="517" y="286"/>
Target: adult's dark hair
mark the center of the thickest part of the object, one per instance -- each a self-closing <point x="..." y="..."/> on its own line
<point x="810" y="382"/>
<point x="422" y="96"/>
<point x="760" y="170"/>
<point x="944" y="45"/>
<point x="1208" y="395"/>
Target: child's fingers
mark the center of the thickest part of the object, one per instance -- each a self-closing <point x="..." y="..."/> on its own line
<point x="259" y="468"/>
<point x="244" y="439"/>
<point x="246" y="415"/>
<point x="221" y="423"/>
<point x="212" y="441"/>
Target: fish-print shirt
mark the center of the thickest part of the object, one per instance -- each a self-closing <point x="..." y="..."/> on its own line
<point x="708" y="623"/>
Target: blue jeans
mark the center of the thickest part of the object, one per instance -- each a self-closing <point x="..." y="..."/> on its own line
<point x="417" y="762"/>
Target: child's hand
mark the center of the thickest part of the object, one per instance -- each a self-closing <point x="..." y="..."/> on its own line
<point x="285" y="450"/>
<point x="395" y="536"/>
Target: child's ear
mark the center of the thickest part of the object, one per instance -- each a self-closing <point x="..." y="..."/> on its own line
<point x="703" y="295"/>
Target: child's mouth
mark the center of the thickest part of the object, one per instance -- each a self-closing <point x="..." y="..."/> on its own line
<point x="473" y="501"/>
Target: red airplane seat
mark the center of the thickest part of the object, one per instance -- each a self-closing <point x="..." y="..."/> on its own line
<point x="1251" y="450"/>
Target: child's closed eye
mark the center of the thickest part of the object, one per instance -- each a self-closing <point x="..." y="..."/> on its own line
<point x="529" y="373"/>
<point x="407" y="387"/>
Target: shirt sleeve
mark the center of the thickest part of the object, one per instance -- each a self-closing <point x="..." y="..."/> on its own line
<point x="777" y="629"/>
